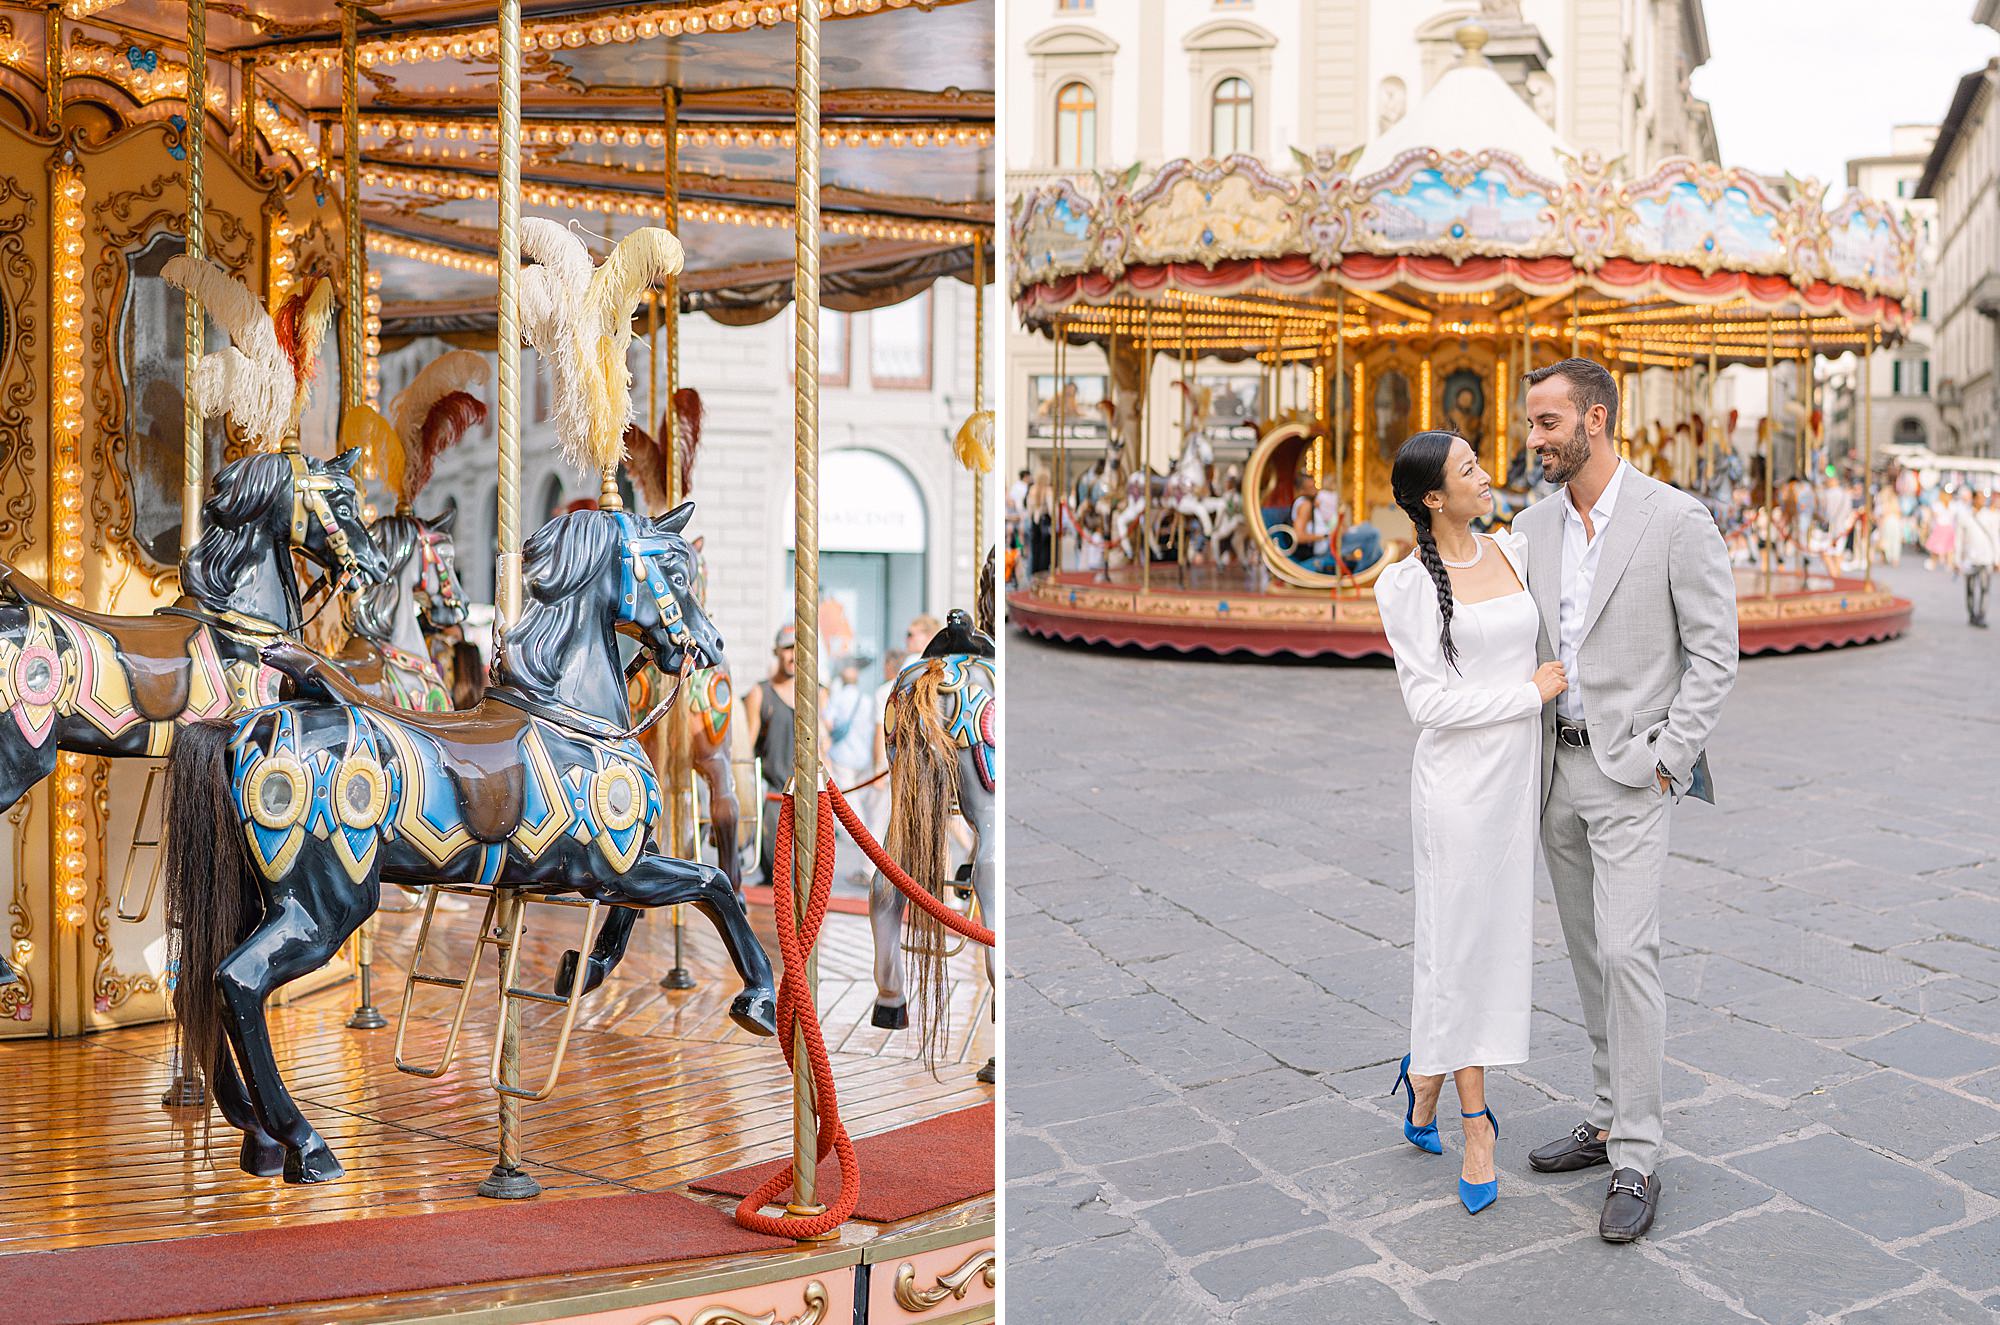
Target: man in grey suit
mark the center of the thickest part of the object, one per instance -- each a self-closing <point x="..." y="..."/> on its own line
<point x="1639" y="604"/>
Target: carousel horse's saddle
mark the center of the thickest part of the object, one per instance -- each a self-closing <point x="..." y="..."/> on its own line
<point x="153" y="648"/>
<point x="479" y="749"/>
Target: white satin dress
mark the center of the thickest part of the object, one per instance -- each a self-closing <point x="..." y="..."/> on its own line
<point x="1475" y="788"/>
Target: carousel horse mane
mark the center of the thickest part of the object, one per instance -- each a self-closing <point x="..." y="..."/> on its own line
<point x="374" y="613"/>
<point x="562" y="557"/>
<point x="244" y="491"/>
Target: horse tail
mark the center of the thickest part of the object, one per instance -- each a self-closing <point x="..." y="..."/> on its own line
<point x="923" y="784"/>
<point x="212" y="895"/>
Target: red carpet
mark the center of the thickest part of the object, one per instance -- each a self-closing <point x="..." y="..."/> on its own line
<point x="904" y="1172"/>
<point x="759" y="894"/>
<point x="365" y="1258"/>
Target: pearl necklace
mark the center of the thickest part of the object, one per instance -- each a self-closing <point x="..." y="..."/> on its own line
<point x="1477" y="557"/>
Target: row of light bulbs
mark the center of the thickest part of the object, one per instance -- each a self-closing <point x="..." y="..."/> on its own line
<point x="703" y="133"/>
<point x="606" y="202"/>
<point x="66" y="561"/>
<point x="570" y="34"/>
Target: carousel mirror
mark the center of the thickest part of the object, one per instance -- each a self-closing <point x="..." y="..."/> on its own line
<point x="150" y="365"/>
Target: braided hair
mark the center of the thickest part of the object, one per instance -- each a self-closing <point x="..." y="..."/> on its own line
<point x="1418" y="472"/>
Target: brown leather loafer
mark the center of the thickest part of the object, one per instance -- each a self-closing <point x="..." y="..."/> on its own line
<point x="1578" y="1149"/>
<point x="1629" y="1206"/>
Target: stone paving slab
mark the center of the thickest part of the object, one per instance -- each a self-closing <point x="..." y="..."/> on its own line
<point x="1209" y="915"/>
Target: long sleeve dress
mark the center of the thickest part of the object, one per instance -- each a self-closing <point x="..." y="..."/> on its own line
<point x="1474" y="814"/>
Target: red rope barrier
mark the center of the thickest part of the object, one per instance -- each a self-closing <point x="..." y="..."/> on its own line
<point x="795" y="1013"/>
<point x="895" y="874"/>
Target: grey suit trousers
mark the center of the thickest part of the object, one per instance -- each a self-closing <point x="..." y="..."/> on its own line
<point x="1606" y="845"/>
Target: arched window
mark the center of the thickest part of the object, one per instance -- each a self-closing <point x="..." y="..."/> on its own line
<point x="1076" y="126"/>
<point x="1233" y="118"/>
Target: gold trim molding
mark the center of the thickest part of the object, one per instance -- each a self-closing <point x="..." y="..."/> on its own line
<point x="953" y="1285"/>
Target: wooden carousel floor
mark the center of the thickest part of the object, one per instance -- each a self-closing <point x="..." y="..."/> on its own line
<point x="659" y="1089"/>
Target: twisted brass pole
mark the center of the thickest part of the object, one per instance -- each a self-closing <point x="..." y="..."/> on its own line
<point x="350" y="195"/>
<point x="194" y="468"/>
<point x="507" y="1181"/>
<point x="1868" y="458"/>
<point x="676" y="481"/>
<point x="978" y="402"/>
<point x="246" y="114"/>
<point x="508" y="519"/>
<point x="52" y="64"/>
<point x="805" y="596"/>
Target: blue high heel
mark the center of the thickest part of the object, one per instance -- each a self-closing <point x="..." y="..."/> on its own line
<point x="1425" y="1137"/>
<point x="1478" y="1195"/>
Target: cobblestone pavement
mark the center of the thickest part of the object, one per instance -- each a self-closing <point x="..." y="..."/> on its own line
<point x="1209" y="918"/>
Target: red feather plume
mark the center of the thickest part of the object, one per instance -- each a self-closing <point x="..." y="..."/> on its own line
<point x="688" y="415"/>
<point x="448" y="420"/>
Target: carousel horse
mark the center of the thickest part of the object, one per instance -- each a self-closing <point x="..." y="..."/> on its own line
<point x="120" y="686"/>
<point x="704" y="728"/>
<point x="284" y="823"/>
<point x="1105" y="477"/>
<point x="388" y="651"/>
<point x="941" y="728"/>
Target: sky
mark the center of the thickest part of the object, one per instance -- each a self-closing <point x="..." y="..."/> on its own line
<point x="1803" y="85"/>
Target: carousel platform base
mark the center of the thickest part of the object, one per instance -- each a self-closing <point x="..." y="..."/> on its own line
<point x="1241" y="610"/>
<point x="659" y="1090"/>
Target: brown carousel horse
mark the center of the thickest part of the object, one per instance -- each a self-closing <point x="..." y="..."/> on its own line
<point x="123" y="686"/>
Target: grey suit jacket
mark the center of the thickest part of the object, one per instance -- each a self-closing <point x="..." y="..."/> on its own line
<point x="1660" y="636"/>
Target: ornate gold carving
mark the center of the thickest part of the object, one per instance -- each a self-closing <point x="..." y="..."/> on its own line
<point x="954" y="1285"/>
<point x="815" y="1299"/>
<point x="109" y="989"/>
<point x="20" y="373"/>
<point x="18" y="999"/>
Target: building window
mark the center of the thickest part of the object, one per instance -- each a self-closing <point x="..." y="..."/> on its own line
<point x="1923" y="377"/>
<point x="1902" y="188"/>
<point x="1076" y="126"/>
<point x="1896" y="377"/>
<point x="1232" y="118"/>
<point x="835" y="348"/>
<point x="899" y="345"/>
<point x="1924" y="305"/>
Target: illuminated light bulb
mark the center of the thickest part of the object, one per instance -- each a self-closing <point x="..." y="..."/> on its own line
<point x="73" y="916"/>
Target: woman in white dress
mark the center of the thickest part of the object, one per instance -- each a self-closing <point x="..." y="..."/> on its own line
<point x="1463" y="629"/>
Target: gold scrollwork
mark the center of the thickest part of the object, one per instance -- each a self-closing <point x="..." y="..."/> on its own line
<point x="954" y="1285"/>
<point x="816" y="1301"/>
<point x="21" y="934"/>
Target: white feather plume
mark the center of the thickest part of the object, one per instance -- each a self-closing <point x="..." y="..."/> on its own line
<point x="250" y="380"/>
<point x="579" y="317"/>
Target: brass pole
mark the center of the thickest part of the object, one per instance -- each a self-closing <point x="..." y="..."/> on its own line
<point x="366" y="1016"/>
<point x="194" y="466"/>
<point x="1146" y="459"/>
<point x="676" y="481"/>
<point x="979" y="402"/>
<point x="1868" y="457"/>
<point x="1708" y="433"/>
<point x="507" y="1181"/>
<point x="52" y="64"/>
<point x="1770" y="445"/>
<point x="1575" y="328"/>
<point x="350" y="206"/>
<point x="1336" y="432"/>
<point x="1062" y="424"/>
<point x="246" y="117"/>
<point x="805" y="605"/>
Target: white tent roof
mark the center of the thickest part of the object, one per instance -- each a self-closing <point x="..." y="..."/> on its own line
<point x="1471" y="109"/>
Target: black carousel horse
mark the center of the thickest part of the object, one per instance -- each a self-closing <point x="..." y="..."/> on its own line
<point x="282" y="824"/>
<point x="389" y="625"/>
<point x="123" y="686"/>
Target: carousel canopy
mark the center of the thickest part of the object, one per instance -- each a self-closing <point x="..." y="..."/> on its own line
<point x="1489" y="229"/>
<point x="907" y="129"/>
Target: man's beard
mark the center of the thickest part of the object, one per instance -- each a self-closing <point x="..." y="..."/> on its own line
<point x="1569" y="459"/>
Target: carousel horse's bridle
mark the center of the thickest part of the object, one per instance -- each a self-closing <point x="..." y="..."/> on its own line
<point x="309" y="498"/>
<point x="435" y="580"/>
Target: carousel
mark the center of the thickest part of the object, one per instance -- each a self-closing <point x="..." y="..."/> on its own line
<point x="257" y="780"/>
<point x="1409" y="285"/>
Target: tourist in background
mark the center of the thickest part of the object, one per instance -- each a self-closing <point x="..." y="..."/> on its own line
<point x="1978" y="527"/>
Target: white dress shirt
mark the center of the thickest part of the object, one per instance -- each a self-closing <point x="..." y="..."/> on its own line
<point x="1581" y="552"/>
